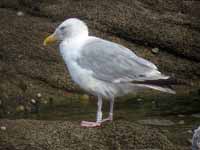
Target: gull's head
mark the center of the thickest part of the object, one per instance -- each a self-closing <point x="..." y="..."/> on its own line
<point x="70" y="28"/>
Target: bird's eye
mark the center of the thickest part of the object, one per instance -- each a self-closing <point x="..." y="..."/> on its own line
<point x="62" y="28"/>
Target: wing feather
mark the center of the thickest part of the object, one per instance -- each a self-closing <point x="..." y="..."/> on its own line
<point x="112" y="62"/>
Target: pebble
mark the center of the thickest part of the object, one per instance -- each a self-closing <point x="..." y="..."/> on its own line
<point x="0" y="102"/>
<point x="189" y="131"/>
<point x="45" y="102"/>
<point x="20" y="108"/>
<point x="181" y="116"/>
<point x="33" y="101"/>
<point x="39" y="95"/>
<point x="155" y="50"/>
<point x="139" y="99"/>
<point x="181" y="122"/>
<point x="20" y="13"/>
<point x="3" y="128"/>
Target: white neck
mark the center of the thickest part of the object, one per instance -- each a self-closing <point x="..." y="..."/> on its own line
<point x="70" y="47"/>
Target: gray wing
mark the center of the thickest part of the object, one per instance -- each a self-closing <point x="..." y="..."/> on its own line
<point x="112" y="62"/>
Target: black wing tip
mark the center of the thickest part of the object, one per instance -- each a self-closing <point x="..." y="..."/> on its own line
<point x="163" y="82"/>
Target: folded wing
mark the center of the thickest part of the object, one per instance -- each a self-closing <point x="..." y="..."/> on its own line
<point x="115" y="63"/>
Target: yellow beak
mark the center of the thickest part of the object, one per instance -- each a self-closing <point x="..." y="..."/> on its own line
<point x="50" y="40"/>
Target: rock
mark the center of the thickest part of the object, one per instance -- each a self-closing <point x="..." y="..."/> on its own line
<point x="157" y="23"/>
<point x="156" y="122"/>
<point x="0" y="102"/>
<point x="57" y="135"/>
<point x="155" y="50"/>
<point x="3" y="128"/>
<point x="41" y="69"/>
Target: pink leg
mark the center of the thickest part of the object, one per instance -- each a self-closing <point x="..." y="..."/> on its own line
<point x="110" y="117"/>
<point x="99" y="115"/>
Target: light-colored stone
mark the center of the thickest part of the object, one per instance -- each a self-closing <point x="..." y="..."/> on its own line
<point x="189" y="131"/>
<point x="155" y="50"/>
<point x="139" y="99"/>
<point x="3" y="128"/>
<point x="33" y="101"/>
<point x="20" y="108"/>
<point x="181" y="116"/>
<point x="39" y="95"/>
<point x="45" y="102"/>
<point x="20" y="13"/>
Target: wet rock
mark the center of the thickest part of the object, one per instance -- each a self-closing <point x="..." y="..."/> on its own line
<point x="156" y="122"/>
<point x="56" y="135"/>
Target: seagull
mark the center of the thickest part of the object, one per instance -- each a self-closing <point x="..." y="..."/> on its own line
<point x="103" y="68"/>
<point x="196" y="139"/>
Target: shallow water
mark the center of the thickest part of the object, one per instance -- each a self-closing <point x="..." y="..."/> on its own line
<point x="156" y="108"/>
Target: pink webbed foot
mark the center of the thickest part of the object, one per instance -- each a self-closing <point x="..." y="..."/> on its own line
<point x="88" y="124"/>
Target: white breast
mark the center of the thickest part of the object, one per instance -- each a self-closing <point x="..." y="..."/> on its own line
<point x="70" y="51"/>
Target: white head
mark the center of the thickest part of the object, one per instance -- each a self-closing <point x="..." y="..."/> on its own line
<point x="70" y="28"/>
